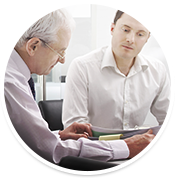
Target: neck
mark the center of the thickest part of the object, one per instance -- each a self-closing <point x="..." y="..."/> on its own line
<point x="23" y="54"/>
<point x="124" y="65"/>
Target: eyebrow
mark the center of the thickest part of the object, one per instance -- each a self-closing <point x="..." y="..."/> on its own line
<point x="126" y="25"/>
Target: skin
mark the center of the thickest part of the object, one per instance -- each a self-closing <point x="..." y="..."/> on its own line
<point x="75" y="131"/>
<point x="39" y="58"/>
<point x="128" y="38"/>
<point x="139" y="142"/>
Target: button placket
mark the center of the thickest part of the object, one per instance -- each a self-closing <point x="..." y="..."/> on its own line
<point x="126" y="105"/>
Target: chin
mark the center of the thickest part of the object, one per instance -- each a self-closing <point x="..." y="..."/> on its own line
<point x="46" y="73"/>
<point x="127" y="56"/>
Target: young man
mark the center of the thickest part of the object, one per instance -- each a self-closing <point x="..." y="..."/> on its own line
<point x="37" y="51"/>
<point x="115" y="86"/>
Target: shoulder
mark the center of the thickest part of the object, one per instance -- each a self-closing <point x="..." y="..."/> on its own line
<point x="12" y="71"/>
<point x="156" y="69"/>
<point x="94" y="57"/>
<point x="13" y="75"/>
<point x="153" y="63"/>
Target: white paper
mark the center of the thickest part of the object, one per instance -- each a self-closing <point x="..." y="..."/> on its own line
<point x="126" y="133"/>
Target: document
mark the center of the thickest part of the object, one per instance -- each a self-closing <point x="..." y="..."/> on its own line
<point x="98" y="131"/>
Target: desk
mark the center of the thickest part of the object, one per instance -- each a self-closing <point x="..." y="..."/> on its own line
<point x="153" y="163"/>
<point x="120" y="161"/>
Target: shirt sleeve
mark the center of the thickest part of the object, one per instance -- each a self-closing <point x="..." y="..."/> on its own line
<point x="56" y="133"/>
<point x="161" y="102"/>
<point x="32" y="128"/>
<point x="75" y="105"/>
<point x="111" y="150"/>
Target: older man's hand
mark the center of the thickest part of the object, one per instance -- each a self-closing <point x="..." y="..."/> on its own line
<point x="138" y="142"/>
<point x="75" y="131"/>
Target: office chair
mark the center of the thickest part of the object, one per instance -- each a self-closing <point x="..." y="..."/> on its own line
<point x="51" y="111"/>
<point x="62" y="78"/>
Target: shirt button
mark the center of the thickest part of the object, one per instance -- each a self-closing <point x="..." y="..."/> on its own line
<point x="126" y="102"/>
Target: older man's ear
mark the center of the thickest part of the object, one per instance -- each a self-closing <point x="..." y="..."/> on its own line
<point x="32" y="46"/>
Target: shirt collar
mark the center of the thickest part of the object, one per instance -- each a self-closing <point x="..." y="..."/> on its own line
<point x="140" y="63"/>
<point x="22" y="67"/>
<point x="109" y="61"/>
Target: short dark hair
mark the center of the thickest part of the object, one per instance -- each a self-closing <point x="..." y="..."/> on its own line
<point x="138" y="9"/>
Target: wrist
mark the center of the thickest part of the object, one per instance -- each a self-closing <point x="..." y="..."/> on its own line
<point x="59" y="133"/>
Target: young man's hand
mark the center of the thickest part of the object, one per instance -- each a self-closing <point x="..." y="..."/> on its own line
<point x="75" y="131"/>
<point x="138" y="142"/>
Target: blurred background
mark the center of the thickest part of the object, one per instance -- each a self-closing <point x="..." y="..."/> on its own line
<point x="92" y="31"/>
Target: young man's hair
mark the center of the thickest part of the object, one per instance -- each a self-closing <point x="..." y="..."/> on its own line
<point x="137" y="8"/>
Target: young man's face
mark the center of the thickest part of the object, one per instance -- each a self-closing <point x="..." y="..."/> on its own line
<point x="128" y="37"/>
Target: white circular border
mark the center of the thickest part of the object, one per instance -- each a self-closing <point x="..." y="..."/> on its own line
<point x="117" y="7"/>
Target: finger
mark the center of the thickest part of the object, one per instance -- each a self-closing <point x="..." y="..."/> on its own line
<point x="77" y="136"/>
<point x="89" y="131"/>
<point x="149" y="131"/>
<point x="86" y="134"/>
<point x="84" y="127"/>
<point x="89" y="124"/>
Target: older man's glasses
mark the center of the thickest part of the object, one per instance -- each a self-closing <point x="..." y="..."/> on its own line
<point x="60" y="56"/>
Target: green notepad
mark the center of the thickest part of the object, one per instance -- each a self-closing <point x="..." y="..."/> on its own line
<point x="97" y="134"/>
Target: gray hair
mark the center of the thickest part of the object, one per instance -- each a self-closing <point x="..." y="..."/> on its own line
<point x="48" y="26"/>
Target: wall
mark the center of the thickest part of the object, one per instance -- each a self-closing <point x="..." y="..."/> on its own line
<point x="92" y="31"/>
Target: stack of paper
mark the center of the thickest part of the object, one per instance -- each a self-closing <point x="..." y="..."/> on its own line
<point x="115" y="134"/>
<point x="98" y="131"/>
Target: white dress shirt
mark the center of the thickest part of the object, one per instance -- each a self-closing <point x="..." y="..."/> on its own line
<point x="32" y="128"/>
<point x="98" y="93"/>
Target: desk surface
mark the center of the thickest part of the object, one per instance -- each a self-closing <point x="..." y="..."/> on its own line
<point x="153" y="163"/>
